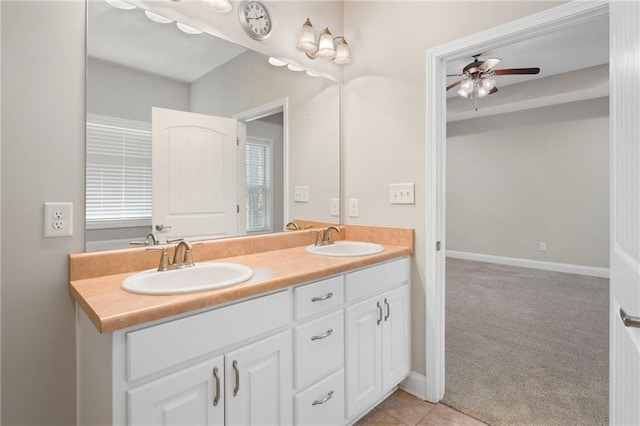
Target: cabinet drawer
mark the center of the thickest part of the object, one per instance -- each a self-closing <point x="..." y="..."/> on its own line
<point x="328" y="396"/>
<point x="376" y="279"/>
<point x="155" y="348"/>
<point x="318" y="297"/>
<point x="319" y="348"/>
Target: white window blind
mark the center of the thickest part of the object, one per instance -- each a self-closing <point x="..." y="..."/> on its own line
<point x="118" y="170"/>
<point x="259" y="184"/>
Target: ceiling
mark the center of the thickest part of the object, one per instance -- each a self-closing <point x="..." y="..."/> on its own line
<point x="577" y="47"/>
<point x="119" y="36"/>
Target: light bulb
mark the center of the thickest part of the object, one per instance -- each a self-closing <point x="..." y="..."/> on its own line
<point x="467" y="86"/>
<point x="218" y="6"/>
<point x="325" y="45"/>
<point x="157" y="18"/>
<point x="488" y="83"/>
<point x="187" y="29"/>
<point x="463" y="93"/>
<point x="482" y="91"/>
<point x="120" y="4"/>
<point x="342" y="53"/>
<point x="277" y="62"/>
<point x="307" y="40"/>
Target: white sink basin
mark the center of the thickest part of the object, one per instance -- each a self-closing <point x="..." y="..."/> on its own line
<point x="201" y="277"/>
<point x="346" y="248"/>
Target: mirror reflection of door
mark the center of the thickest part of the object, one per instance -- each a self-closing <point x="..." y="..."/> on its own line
<point x="194" y="175"/>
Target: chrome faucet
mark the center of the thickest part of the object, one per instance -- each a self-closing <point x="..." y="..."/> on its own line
<point x="324" y="237"/>
<point x="150" y="240"/>
<point x="292" y="226"/>
<point x="186" y="259"/>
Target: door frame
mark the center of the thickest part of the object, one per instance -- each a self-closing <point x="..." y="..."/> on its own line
<point x="522" y="29"/>
<point x="278" y="105"/>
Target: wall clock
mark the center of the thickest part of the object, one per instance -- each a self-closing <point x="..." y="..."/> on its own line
<point x="255" y="19"/>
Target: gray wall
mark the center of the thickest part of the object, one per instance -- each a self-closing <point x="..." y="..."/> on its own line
<point x="42" y="160"/>
<point x="542" y="175"/>
<point x="271" y="127"/>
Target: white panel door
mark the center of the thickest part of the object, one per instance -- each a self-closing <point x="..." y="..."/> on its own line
<point x="396" y="341"/>
<point x="259" y="383"/>
<point x="194" y="175"/>
<point x="193" y="396"/>
<point x="363" y="354"/>
<point x="624" y="361"/>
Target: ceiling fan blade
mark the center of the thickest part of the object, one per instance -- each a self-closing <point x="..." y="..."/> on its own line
<point x="489" y="63"/>
<point x="455" y="75"/>
<point x="510" y="71"/>
<point x="457" y="83"/>
<point x="492" y="91"/>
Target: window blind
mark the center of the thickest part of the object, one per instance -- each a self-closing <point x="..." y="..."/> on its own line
<point x="118" y="170"/>
<point x="259" y="186"/>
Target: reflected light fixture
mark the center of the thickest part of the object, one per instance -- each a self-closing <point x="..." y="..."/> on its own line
<point x="120" y="4"/>
<point x="325" y="47"/>
<point x="187" y="29"/>
<point x="277" y="62"/>
<point x="218" y="6"/>
<point x="293" y="67"/>
<point x="157" y="18"/>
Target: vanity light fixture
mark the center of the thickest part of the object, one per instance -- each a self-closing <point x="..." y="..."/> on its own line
<point x="120" y="4"/>
<point x="187" y="29"/>
<point x="157" y="18"/>
<point x="277" y="62"/>
<point x="325" y="48"/>
<point x="218" y="6"/>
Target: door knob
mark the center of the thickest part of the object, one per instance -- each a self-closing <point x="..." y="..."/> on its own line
<point x="162" y="227"/>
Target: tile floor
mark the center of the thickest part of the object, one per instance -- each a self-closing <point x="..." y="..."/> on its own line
<point x="402" y="408"/>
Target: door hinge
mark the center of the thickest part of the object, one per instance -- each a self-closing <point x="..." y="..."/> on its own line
<point x="237" y="141"/>
<point x="438" y="246"/>
<point x="237" y="208"/>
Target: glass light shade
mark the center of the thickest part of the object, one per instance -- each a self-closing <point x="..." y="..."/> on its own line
<point x="488" y="83"/>
<point x="482" y="91"/>
<point x="342" y="53"/>
<point x="294" y="68"/>
<point x="463" y="93"/>
<point x="120" y="4"/>
<point x="277" y="62"/>
<point x="467" y="86"/>
<point x="307" y="40"/>
<point x="157" y="18"/>
<point x="187" y="29"/>
<point x="218" y="6"/>
<point x="325" y="45"/>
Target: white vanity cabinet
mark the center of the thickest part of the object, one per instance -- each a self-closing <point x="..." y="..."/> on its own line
<point x="377" y="334"/>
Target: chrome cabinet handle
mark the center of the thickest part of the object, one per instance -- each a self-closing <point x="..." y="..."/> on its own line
<point x="380" y="312"/>
<point x="325" y="335"/>
<point x="216" y="376"/>
<point x="321" y="298"/>
<point x="386" y="317"/>
<point x="162" y="227"/>
<point x="237" y="388"/>
<point x="628" y="320"/>
<point x="323" y="400"/>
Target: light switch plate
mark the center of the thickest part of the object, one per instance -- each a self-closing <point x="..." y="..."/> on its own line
<point x="402" y="193"/>
<point x="335" y="207"/>
<point x="58" y="219"/>
<point x="301" y="194"/>
<point x="353" y="207"/>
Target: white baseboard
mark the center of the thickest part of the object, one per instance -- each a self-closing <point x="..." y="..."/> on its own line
<point x="533" y="264"/>
<point x="416" y="385"/>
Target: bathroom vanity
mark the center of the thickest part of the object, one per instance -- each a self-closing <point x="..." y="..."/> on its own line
<point x="309" y="340"/>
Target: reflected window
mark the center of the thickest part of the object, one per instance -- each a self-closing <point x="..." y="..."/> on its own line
<point x="259" y="184"/>
<point x="118" y="172"/>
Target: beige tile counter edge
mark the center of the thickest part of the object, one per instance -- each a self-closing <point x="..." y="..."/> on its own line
<point x="110" y="308"/>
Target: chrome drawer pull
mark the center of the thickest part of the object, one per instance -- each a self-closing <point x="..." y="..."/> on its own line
<point x="325" y="335"/>
<point x="386" y="317"/>
<point x="380" y="312"/>
<point x="237" y="388"/>
<point x="323" y="400"/>
<point x="628" y="320"/>
<point x="216" y="399"/>
<point x="320" y="299"/>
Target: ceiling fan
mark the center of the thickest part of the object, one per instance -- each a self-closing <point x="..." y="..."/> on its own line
<point x="477" y="80"/>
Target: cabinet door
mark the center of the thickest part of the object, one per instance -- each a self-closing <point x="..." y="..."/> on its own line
<point x="259" y="382"/>
<point x="186" y="397"/>
<point x="363" y="355"/>
<point x="396" y="355"/>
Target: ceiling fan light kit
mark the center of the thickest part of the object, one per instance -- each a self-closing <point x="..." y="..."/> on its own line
<point x="476" y="82"/>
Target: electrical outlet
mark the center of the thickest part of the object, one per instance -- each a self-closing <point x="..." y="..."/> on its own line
<point x="335" y="207"/>
<point x="353" y="207"/>
<point x="542" y="246"/>
<point x="402" y="193"/>
<point x="58" y="220"/>
<point x="301" y="194"/>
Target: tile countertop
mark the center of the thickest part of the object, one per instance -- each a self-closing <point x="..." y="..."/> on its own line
<point x="111" y="308"/>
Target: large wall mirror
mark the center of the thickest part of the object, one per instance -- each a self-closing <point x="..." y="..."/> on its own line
<point x="191" y="136"/>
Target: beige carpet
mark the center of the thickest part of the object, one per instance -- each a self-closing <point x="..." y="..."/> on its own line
<point x="526" y="347"/>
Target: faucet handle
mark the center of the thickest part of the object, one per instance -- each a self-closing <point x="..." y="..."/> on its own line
<point x="174" y="240"/>
<point x="164" y="257"/>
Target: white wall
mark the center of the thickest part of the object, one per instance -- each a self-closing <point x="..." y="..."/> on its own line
<point x="384" y="111"/>
<point x="42" y="160"/>
<point x="542" y="175"/>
